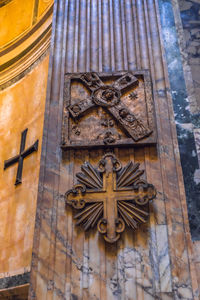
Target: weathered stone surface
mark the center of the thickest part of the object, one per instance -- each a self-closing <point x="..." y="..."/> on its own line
<point x="156" y="261"/>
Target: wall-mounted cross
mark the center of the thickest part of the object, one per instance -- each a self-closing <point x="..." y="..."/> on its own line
<point x="20" y="157"/>
<point x="109" y="98"/>
<point x="111" y="197"/>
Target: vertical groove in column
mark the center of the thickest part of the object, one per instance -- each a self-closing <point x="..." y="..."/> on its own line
<point x="124" y="36"/>
<point x="57" y="58"/>
<point x="149" y="42"/>
<point x="100" y="36"/>
<point x="51" y="58"/>
<point x="144" y="59"/>
<point x="60" y="281"/>
<point x="137" y="52"/>
<point x="65" y="31"/>
<point x="118" y="42"/>
<point x="94" y="43"/>
<point x="130" y="35"/>
<point x="70" y="37"/>
<point x="76" y="37"/>
<point x="106" y="57"/>
<point x="82" y="36"/>
<point x="112" y="47"/>
<point x="156" y="46"/>
<point x="87" y="66"/>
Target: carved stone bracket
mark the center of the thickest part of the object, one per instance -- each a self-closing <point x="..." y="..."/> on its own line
<point x="110" y="197"/>
<point x="125" y="97"/>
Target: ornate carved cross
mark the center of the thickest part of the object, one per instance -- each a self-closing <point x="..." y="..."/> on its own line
<point x="20" y="157"/>
<point x="108" y="97"/>
<point x="112" y="196"/>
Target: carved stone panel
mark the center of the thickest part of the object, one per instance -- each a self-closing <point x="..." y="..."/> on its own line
<point x="102" y="109"/>
<point x="110" y="197"/>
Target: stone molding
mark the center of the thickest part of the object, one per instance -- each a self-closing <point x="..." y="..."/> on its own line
<point x="19" y="57"/>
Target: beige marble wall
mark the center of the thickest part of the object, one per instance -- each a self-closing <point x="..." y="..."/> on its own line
<point x="155" y="261"/>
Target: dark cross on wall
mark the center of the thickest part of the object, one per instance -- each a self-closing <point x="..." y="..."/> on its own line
<point x="20" y="157"/>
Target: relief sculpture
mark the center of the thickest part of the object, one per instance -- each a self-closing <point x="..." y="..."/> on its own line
<point x="125" y="98"/>
<point x="110" y="197"/>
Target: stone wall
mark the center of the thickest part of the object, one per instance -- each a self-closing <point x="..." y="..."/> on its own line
<point x="190" y="19"/>
<point x="156" y="261"/>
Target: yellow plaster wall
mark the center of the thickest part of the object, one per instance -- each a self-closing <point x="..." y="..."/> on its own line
<point x="15" y="18"/>
<point x="21" y="106"/>
<point x="43" y="6"/>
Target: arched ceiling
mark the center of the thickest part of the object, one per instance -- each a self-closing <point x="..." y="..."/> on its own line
<point x="24" y="35"/>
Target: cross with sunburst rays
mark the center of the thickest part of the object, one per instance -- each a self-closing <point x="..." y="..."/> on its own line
<point x="110" y="196"/>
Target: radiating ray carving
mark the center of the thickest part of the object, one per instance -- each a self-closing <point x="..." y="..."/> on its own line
<point x="110" y="197"/>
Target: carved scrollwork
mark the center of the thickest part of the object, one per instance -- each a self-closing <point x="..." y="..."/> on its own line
<point x="75" y="196"/>
<point x="144" y="192"/>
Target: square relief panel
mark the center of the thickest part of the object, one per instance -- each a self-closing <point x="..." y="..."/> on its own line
<point x="108" y="109"/>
